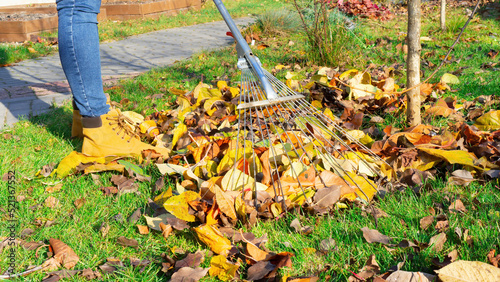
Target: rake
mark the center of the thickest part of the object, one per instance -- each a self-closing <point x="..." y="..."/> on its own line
<point x="284" y="145"/>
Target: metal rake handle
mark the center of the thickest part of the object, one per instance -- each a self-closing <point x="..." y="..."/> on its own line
<point x="247" y="52"/>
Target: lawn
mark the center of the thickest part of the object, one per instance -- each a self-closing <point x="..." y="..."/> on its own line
<point x="83" y="209"/>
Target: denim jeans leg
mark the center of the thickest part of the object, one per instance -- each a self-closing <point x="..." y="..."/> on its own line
<point x="79" y="53"/>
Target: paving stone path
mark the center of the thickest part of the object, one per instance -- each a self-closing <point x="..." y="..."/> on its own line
<point x="31" y="87"/>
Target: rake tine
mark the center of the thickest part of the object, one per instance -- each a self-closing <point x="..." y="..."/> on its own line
<point x="288" y="157"/>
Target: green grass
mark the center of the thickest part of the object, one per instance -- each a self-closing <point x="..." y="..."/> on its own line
<point x="46" y="139"/>
<point x="468" y="58"/>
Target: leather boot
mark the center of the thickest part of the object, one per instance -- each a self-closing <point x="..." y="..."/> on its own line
<point x="76" y="126"/>
<point x="111" y="135"/>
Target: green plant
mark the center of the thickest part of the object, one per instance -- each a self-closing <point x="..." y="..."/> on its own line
<point x="330" y="34"/>
<point x="281" y="21"/>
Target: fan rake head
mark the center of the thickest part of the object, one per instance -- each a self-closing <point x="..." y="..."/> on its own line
<point x="289" y="149"/>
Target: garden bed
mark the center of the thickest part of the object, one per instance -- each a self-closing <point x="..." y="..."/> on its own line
<point x="129" y="10"/>
<point x="17" y="27"/>
<point x="20" y="23"/>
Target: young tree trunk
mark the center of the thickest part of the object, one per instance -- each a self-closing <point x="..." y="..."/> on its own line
<point x="413" y="63"/>
<point x="443" y="15"/>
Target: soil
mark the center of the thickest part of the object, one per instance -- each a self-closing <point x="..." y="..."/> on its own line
<point x="14" y="17"/>
<point x="118" y="2"/>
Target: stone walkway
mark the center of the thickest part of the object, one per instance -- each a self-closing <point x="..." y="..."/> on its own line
<point x="31" y="87"/>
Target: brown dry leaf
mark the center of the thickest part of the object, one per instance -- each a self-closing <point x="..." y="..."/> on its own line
<point x="283" y="259"/>
<point x="492" y="258"/>
<point x="191" y="260"/>
<point x="225" y="202"/>
<point x="460" y="177"/>
<point x="457" y="206"/>
<point x="451" y="257"/>
<point x="374" y="236"/>
<point x="178" y="205"/>
<point x="104" y="229"/>
<point x="327" y="197"/>
<point x="303" y="279"/>
<point x="425" y="222"/>
<point x="407" y="276"/>
<point x="211" y="236"/>
<point x="52" y="202"/>
<point x="79" y="202"/>
<point x="127" y="242"/>
<point x="437" y="242"/>
<point x="442" y="226"/>
<point x="304" y="230"/>
<point x="470" y="271"/>
<point x="188" y="274"/>
<point x="143" y="230"/>
<point x="90" y="274"/>
<point x="51" y="264"/>
<point x="63" y="253"/>
<point x="222" y="268"/>
<point x="259" y="270"/>
<point x="370" y="269"/>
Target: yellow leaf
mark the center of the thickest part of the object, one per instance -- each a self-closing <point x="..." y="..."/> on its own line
<point x="213" y="238"/>
<point x="317" y="104"/>
<point x="167" y="168"/>
<point x="449" y="78"/>
<point x="225" y="202"/>
<point x="198" y="89"/>
<point x="348" y="74"/>
<point x="179" y="131"/>
<point x="211" y="220"/>
<point x="329" y="114"/>
<point x="365" y="188"/>
<point x="276" y="209"/>
<point x="234" y="91"/>
<point x="70" y="162"/>
<point x="309" y="251"/>
<point x="104" y="167"/>
<point x="488" y="121"/>
<point x="163" y="197"/>
<point x="209" y="105"/>
<point x="222" y="268"/>
<point x="361" y="90"/>
<point x="178" y="205"/>
<point x="451" y="156"/>
<point x="239" y="206"/>
<point x="299" y="198"/>
<point x="221" y="84"/>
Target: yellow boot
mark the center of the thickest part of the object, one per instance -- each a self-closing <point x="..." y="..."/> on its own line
<point x="76" y="126"/>
<point x="110" y="135"/>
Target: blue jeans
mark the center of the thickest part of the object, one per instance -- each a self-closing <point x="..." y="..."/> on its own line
<point x="79" y="53"/>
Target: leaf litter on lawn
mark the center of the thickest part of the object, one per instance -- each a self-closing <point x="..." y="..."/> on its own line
<point x="200" y="133"/>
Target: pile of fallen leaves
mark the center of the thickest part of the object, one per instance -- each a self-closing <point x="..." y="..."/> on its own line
<point x="201" y="133"/>
<point x="362" y="8"/>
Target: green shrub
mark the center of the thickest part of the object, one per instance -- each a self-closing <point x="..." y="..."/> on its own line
<point x="279" y="22"/>
<point x="331" y="35"/>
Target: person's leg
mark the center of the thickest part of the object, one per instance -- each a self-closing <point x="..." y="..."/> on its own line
<point x="104" y="131"/>
<point x="79" y="52"/>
